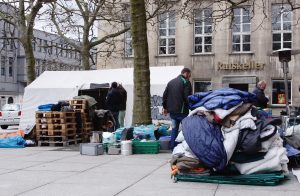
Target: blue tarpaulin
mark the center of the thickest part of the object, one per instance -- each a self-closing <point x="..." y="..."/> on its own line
<point x="12" y="142"/>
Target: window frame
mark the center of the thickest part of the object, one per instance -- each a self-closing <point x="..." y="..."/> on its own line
<point x="10" y="66"/>
<point x="3" y="66"/>
<point x="199" y="81"/>
<point x="281" y="80"/>
<point x="282" y="31"/>
<point x="40" y="45"/>
<point x="203" y="35"/>
<point x="128" y="44"/>
<point x="166" y="37"/>
<point x="241" y="33"/>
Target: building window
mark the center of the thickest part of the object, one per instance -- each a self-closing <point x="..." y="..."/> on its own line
<point x="34" y="44"/>
<point x="10" y="66"/>
<point x="45" y="46"/>
<point x="167" y="33"/>
<point x="50" y="50"/>
<point x="278" y="95"/>
<point x="40" y="45"/>
<point x="203" y="31"/>
<point x="61" y="49"/>
<point x="241" y="38"/>
<point x="281" y="26"/>
<point x="202" y="86"/>
<point x="3" y="61"/>
<point x="71" y="52"/>
<point x="56" y="49"/>
<point x="128" y="41"/>
<point x="75" y="54"/>
<point x="37" y="71"/>
<point x="66" y="51"/>
<point x="11" y="44"/>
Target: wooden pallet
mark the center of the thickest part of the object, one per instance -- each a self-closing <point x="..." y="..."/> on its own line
<point x="78" y="101"/>
<point x="85" y="115"/>
<point x="56" y="132"/>
<point x="59" y="143"/>
<point x="62" y="127"/>
<point x="56" y="138"/>
<point x="54" y="114"/>
<point x="84" y="131"/>
<point x="87" y="125"/>
<point x="78" y="106"/>
<point x="81" y="110"/>
<point x="55" y="120"/>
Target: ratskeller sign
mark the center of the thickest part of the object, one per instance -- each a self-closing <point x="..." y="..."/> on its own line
<point x="241" y="66"/>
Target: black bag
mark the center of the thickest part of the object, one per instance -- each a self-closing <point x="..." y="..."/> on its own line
<point x="127" y="134"/>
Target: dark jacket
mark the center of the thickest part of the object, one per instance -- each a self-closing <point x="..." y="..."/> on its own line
<point x="123" y="93"/>
<point x="175" y="97"/>
<point x="113" y="100"/>
<point x="261" y="100"/>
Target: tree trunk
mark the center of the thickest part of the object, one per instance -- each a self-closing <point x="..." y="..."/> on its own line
<point x="85" y="59"/>
<point x="30" y="60"/>
<point x="141" y="106"/>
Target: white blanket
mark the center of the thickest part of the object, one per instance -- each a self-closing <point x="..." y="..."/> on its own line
<point x="182" y="149"/>
<point x="275" y="160"/>
<point x="245" y="121"/>
<point x="221" y="113"/>
<point x="230" y="142"/>
<point x="292" y="130"/>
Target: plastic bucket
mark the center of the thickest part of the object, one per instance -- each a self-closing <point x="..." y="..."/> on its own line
<point x="126" y="147"/>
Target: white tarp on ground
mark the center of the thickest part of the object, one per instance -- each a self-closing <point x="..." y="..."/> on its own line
<point x="53" y="86"/>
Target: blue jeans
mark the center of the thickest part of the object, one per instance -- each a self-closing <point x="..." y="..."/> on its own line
<point x="116" y="117"/>
<point x="176" y="120"/>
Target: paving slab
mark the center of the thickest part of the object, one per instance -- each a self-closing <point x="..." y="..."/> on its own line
<point x="20" y="181"/>
<point x="69" y="167"/>
<point x="5" y="170"/>
<point x="248" y="192"/>
<point x="10" y="164"/>
<point x="73" y="190"/>
<point x="89" y="159"/>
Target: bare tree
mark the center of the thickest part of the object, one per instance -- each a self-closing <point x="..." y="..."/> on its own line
<point x="78" y="20"/>
<point x="22" y="15"/>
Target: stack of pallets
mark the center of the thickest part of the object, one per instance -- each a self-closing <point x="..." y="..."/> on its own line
<point x="56" y="128"/>
<point x="80" y="105"/>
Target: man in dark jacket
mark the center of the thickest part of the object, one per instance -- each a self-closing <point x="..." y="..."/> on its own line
<point x="261" y="99"/>
<point x="175" y="101"/>
<point x="113" y="102"/>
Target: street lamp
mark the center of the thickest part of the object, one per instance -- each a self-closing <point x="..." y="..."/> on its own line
<point x="285" y="57"/>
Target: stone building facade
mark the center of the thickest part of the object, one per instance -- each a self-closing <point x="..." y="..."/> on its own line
<point x="235" y="52"/>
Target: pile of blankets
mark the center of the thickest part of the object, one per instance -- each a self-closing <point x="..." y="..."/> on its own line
<point x="223" y="130"/>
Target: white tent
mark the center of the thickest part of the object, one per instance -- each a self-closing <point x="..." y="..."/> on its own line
<point x="53" y="86"/>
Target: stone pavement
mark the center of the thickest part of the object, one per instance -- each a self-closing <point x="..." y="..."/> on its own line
<point x="41" y="171"/>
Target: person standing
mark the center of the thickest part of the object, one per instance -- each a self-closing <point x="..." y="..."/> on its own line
<point x="113" y="102"/>
<point x="122" y="111"/>
<point x="261" y="99"/>
<point x="175" y="101"/>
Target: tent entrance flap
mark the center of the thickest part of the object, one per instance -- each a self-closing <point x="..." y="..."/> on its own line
<point x="99" y="94"/>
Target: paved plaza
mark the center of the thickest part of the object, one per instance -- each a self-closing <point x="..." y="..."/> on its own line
<point x="52" y="171"/>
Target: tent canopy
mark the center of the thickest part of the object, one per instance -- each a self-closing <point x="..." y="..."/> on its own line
<point x="53" y="86"/>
